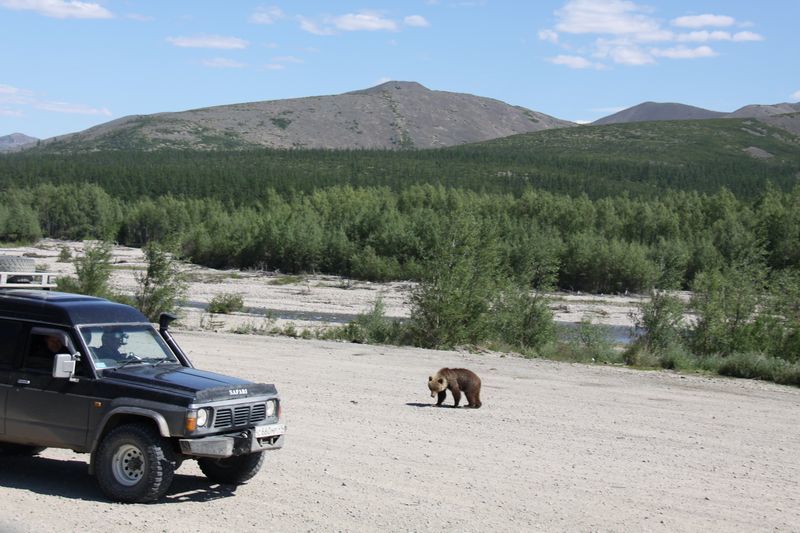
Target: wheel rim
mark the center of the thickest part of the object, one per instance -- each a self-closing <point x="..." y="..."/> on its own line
<point x="128" y="465"/>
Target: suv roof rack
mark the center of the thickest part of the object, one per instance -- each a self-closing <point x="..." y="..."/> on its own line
<point x="27" y="280"/>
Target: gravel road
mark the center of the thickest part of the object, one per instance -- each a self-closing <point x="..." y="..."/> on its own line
<point x="555" y="447"/>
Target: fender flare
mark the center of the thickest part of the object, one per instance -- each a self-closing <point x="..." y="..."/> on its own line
<point x="160" y="421"/>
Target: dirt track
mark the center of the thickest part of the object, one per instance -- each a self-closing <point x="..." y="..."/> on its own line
<point x="555" y="447"/>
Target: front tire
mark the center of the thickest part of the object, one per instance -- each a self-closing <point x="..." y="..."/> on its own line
<point x="135" y="464"/>
<point x="232" y="470"/>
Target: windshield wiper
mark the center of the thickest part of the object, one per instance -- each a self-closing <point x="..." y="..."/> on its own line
<point x="127" y="362"/>
<point x="160" y="360"/>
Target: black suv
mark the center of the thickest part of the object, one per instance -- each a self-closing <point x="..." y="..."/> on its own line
<point x="94" y="376"/>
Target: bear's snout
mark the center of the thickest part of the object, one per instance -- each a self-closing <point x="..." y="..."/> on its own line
<point x="433" y="394"/>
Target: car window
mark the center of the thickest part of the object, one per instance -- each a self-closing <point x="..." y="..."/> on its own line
<point x="117" y="345"/>
<point x="43" y="345"/>
<point x="9" y="339"/>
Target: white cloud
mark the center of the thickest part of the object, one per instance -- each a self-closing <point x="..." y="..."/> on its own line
<point x="66" y="107"/>
<point x="267" y="15"/>
<point x="630" y="55"/>
<point x="14" y="96"/>
<point x="654" y="36"/>
<point x="312" y="27"/>
<point x="416" y="21"/>
<point x="222" y="62"/>
<point x="208" y="41"/>
<point x="571" y="61"/>
<point x="796" y="95"/>
<point x="364" y="21"/>
<point x="747" y="36"/>
<point x="702" y="21"/>
<point x="60" y="9"/>
<point x="8" y="89"/>
<point x="549" y="36"/>
<point x="704" y="36"/>
<point x="681" y="52"/>
<point x="10" y="113"/>
<point x="615" y="17"/>
<point x="622" y="27"/>
<point x="718" y="35"/>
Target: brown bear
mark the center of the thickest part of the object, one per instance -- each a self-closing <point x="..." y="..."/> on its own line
<point x="458" y="380"/>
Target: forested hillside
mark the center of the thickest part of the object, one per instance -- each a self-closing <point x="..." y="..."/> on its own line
<point x="637" y="159"/>
<point x="611" y="208"/>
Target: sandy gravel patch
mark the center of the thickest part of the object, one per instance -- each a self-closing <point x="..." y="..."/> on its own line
<point x="556" y="447"/>
<point x="305" y="301"/>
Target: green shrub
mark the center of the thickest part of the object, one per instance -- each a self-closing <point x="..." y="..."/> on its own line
<point x="162" y="286"/>
<point x="781" y="318"/>
<point x="584" y="343"/>
<point x="726" y="303"/>
<point x="93" y="271"/>
<point x="676" y="357"/>
<point x="637" y="356"/>
<point x="452" y="305"/>
<point x="750" y="365"/>
<point x="225" y="303"/>
<point x="64" y="255"/>
<point x="660" y="319"/>
<point x="523" y="319"/>
<point x="371" y="327"/>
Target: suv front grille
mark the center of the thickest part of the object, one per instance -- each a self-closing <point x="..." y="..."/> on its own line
<point x="241" y="415"/>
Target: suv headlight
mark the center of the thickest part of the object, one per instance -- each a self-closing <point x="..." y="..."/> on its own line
<point x="271" y="408"/>
<point x="203" y="417"/>
<point x="197" y="419"/>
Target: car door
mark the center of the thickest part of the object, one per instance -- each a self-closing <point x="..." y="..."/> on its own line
<point x="41" y="409"/>
<point x="10" y="334"/>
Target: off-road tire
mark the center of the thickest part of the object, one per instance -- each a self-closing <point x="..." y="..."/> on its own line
<point x="20" y="450"/>
<point x="15" y="263"/>
<point x="135" y="464"/>
<point x="232" y="470"/>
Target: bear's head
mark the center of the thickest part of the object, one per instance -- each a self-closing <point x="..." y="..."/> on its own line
<point x="436" y="384"/>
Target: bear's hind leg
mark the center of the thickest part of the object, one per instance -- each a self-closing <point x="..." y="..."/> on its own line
<point x="474" y="400"/>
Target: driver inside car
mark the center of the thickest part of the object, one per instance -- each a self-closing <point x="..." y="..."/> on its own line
<point x="111" y="342"/>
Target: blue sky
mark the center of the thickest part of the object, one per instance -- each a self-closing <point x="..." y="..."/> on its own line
<point x="67" y="65"/>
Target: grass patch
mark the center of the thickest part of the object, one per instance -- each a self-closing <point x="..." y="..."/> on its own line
<point x="225" y="303"/>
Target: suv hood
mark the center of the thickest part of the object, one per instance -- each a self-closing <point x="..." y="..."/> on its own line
<point x="203" y="386"/>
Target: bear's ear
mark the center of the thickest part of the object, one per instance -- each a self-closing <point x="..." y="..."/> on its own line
<point x="441" y="380"/>
<point x="430" y="378"/>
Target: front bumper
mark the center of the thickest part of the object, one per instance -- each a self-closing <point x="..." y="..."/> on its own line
<point x="240" y="443"/>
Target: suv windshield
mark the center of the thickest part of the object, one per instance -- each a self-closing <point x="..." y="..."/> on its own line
<point x="117" y="345"/>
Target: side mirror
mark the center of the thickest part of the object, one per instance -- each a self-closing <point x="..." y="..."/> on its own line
<point x="64" y="366"/>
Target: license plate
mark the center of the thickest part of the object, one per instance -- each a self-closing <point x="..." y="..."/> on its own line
<point x="269" y="431"/>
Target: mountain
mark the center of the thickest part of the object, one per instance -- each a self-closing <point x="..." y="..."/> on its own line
<point x="15" y="141"/>
<point x="789" y="122"/>
<point x="649" y="111"/>
<point x="761" y="111"/>
<point x="393" y="115"/>
<point x="785" y="116"/>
